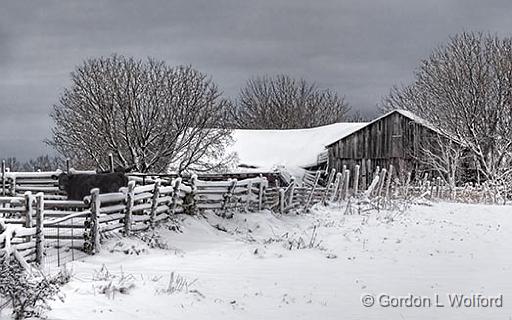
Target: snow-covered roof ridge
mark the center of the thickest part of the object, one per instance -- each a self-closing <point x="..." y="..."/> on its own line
<point x="266" y="149"/>
<point x="405" y="113"/>
<point x="418" y="119"/>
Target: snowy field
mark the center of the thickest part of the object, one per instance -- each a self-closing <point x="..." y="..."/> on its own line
<point x="243" y="268"/>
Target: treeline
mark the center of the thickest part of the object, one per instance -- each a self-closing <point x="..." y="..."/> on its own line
<point x="158" y="118"/>
<point x="40" y="163"/>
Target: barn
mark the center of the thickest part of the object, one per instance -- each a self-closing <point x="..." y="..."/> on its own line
<point x="392" y="139"/>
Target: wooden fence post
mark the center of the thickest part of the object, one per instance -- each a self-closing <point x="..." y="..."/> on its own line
<point x="129" y="209"/>
<point x="328" y="186"/>
<point x="261" y="192"/>
<point x="388" y="184"/>
<point x="371" y="187"/>
<point x="29" y="212"/>
<point x="95" y="226"/>
<point x="39" y="228"/>
<point x="192" y="196"/>
<point x="312" y="193"/>
<point x="154" y="203"/>
<point x="382" y="180"/>
<point x="424" y="183"/>
<point x="407" y="182"/>
<point x="347" y="181"/>
<point x="281" y="201"/>
<point x="336" y="186"/>
<point x="3" y="177"/>
<point x="229" y="194"/>
<point x="249" y="195"/>
<point x="292" y="191"/>
<point x="12" y="186"/>
<point x="377" y="172"/>
<point x="356" y="180"/>
<point x="175" y="194"/>
<point x="339" y="196"/>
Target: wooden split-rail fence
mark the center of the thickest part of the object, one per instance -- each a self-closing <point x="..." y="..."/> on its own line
<point x="34" y="226"/>
<point x="37" y="222"/>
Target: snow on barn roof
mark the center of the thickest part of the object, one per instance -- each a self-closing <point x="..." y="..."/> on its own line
<point x="268" y="149"/>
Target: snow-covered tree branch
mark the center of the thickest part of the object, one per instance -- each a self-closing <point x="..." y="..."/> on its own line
<point x="465" y="88"/>
<point x="145" y="113"/>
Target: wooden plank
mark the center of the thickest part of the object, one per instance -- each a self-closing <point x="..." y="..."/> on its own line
<point x="113" y="208"/>
<point x="112" y="197"/>
<point x="142" y="196"/>
<point x="139" y="227"/>
<point x="209" y="205"/>
<point x="111" y="217"/>
<point x="24" y="246"/>
<point x="64" y="237"/>
<point x="24" y="232"/>
<point x="112" y="227"/>
<point x="140" y="218"/>
<point x="144" y="189"/>
<point x="22" y="188"/>
<point x="161" y="217"/>
<point x="64" y="204"/>
<point x="166" y="199"/>
<point x="162" y="208"/>
<point x="141" y="207"/>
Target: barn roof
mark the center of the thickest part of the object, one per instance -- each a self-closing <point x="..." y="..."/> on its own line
<point x="267" y="149"/>
<point x="404" y="113"/>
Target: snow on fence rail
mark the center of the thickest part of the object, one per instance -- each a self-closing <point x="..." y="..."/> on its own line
<point x="33" y="225"/>
<point x="20" y="235"/>
<point x="16" y="183"/>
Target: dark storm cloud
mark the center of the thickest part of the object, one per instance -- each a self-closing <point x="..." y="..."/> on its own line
<point x="359" y="48"/>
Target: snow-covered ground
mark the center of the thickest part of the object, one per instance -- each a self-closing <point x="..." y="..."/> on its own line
<point x="243" y="268"/>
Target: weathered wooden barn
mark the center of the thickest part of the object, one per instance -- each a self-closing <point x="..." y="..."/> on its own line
<point x="392" y="139"/>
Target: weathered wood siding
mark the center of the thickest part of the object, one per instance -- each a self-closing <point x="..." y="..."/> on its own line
<point x="393" y="139"/>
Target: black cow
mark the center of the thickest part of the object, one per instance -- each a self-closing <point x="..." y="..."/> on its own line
<point x="77" y="186"/>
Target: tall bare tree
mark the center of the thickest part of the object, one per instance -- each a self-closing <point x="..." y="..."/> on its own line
<point x="144" y="112"/>
<point x="465" y="88"/>
<point x="281" y="102"/>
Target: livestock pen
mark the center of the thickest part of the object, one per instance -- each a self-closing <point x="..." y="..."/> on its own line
<point x="39" y="226"/>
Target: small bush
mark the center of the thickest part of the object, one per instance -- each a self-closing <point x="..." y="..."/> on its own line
<point x="177" y="283"/>
<point x="29" y="295"/>
<point x="296" y="242"/>
<point x="113" y="284"/>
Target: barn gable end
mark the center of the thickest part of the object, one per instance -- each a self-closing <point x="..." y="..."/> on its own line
<point x="391" y="139"/>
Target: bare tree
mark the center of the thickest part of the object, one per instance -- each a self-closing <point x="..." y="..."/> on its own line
<point x="145" y="113"/>
<point x="465" y="88"/>
<point x="43" y="163"/>
<point x="281" y="102"/>
<point x="13" y="164"/>
<point x="442" y="155"/>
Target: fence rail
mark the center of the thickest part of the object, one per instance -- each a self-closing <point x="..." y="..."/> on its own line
<point x="46" y="228"/>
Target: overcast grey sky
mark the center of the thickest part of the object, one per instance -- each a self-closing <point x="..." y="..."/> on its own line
<point x="359" y="48"/>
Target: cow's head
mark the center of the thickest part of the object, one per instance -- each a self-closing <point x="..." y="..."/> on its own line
<point x="63" y="181"/>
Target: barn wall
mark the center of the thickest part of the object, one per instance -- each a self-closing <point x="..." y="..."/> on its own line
<point x="390" y="140"/>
